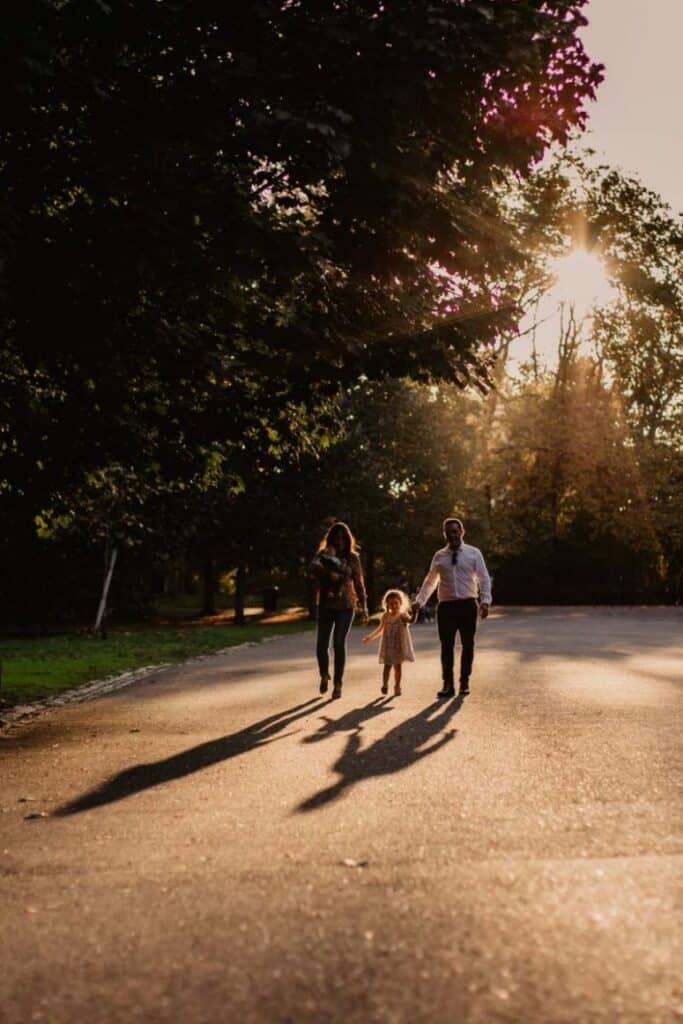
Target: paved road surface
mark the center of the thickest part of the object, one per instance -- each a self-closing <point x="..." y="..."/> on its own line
<point x="222" y="845"/>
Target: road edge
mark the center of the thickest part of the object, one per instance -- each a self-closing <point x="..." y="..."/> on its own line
<point x="20" y="714"/>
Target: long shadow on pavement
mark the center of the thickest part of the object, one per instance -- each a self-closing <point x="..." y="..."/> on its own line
<point x="145" y="776"/>
<point x="399" y="748"/>
<point x="350" y="722"/>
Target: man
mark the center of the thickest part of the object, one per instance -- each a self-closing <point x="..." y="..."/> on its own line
<point x="463" y="581"/>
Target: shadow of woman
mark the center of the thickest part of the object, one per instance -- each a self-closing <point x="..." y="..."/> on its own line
<point x="399" y="748"/>
<point x="145" y="776"/>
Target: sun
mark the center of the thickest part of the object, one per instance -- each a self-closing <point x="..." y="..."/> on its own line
<point x="580" y="281"/>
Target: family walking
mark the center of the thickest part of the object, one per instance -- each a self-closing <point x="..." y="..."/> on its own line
<point x="457" y="572"/>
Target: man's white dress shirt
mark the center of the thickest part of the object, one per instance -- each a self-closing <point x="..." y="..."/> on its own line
<point x="467" y="578"/>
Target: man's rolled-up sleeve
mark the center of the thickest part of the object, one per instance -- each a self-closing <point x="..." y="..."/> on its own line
<point x="429" y="583"/>
<point x="484" y="580"/>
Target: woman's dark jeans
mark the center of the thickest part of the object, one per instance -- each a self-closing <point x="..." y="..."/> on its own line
<point x="339" y="622"/>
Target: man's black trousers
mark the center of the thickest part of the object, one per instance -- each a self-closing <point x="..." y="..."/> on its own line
<point x="457" y="617"/>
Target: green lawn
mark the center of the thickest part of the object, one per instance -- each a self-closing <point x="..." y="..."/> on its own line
<point x="37" y="667"/>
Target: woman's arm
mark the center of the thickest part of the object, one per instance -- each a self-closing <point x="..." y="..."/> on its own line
<point x="359" y="585"/>
<point x="318" y="569"/>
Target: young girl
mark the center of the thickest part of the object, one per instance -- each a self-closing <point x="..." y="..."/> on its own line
<point x="396" y="646"/>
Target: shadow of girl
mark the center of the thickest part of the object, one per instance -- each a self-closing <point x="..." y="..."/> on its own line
<point x="351" y="721"/>
<point x="144" y="776"/>
<point x="399" y="748"/>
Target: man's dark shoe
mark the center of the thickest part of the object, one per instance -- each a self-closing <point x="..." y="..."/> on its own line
<point x="464" y="689"/>
<point x="336" y="691"/>
<point x="446" y="693"/>
<point x="324" y="683"/>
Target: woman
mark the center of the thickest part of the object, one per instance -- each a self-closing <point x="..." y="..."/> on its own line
<point x="339" y="574"/>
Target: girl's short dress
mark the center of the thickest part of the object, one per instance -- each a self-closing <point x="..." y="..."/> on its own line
<point x="396" y="646"/>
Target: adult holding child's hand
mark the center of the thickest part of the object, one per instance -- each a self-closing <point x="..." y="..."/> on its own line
<point x="464" y="593"/>
<point x="339" y="573"/>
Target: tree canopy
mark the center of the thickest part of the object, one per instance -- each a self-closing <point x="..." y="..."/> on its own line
<point x="212" y="222"/>
<point x="207" y="217"/>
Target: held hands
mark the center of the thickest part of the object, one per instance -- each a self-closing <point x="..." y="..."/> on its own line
<point x="367" y="639"/>
<point x="483" y="611"/>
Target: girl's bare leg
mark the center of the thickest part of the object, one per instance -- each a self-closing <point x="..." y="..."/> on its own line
<point x="385" y="678"/>
<point x="397" y="680"/>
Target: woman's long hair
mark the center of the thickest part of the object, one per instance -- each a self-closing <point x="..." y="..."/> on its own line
<point x="349" y="540"/>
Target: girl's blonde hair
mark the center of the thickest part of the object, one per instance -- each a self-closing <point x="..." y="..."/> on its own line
<point x="403" y="598"/>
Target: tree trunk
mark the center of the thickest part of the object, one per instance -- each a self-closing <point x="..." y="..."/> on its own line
<point x="370" y="578"/>
<point x="109" y="563"/>
<point x="209" y="587"/>
<point x="240" y="594"/>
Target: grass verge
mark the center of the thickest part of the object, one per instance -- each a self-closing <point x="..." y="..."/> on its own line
<point x="33" y="668"/>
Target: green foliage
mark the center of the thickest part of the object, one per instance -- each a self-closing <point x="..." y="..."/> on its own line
<point x="611" y="475"/>
<point x="221" y="216"/>
<point x="569" y="500"/>
<point x="210" y="224"/>
<point x="641" y="336"/>
<point x="395" y="469"/>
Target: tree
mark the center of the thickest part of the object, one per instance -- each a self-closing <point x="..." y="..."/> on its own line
<point x="197" y="198"/>
<point x="226" y="220"/>
<point x="641" y="335"/>
<point x="635" y="340"/>
<point x="394" y="471"/>
<point x="572" y="520"/>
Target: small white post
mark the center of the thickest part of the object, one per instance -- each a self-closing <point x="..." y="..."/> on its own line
<point x="105" y="589"/>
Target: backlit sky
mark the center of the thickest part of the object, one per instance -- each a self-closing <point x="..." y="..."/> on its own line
<point x="635" y="123"/>
<point x="636" y="120"/>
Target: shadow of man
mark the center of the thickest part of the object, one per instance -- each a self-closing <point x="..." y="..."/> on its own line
<point x="145" y="776"/>
<point x="399" y="748"/>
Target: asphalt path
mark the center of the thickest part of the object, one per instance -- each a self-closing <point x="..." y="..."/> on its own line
<point x="217" y="843"/>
